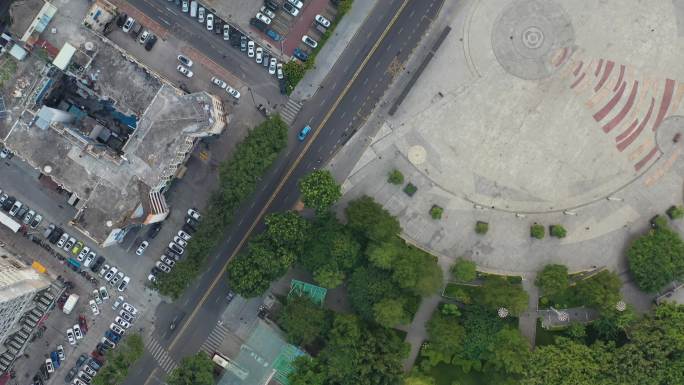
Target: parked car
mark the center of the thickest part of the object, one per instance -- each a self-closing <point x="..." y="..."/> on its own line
<point x="15" y="208"/>
<point x="291" y="9"/>
<point x="304" y="132"/>
<point x="124" y="284"/>
<point x="141" y="248"/>
<point x="250" y="49"/>
<point x="110" y="274"/>
<point x="98" y="262"/>
<point x="70" y="336"/>
<point x="226" y="32"/>
<point x="122" y="322"/>
<point x="200" y="14"/>
<point x="104" y="270"/>
<point x="263" y="18"/>
<point x="301" y="55"/>
<point x="172" y="254"/>
<point x="77" y="332"/>
<point x="130" y="308"/>
<point x="163" y="267"/>
<point x="259" y="55"/>
<point x="82" y="255"/>
<point x="36" y="221"/>
<point x="322" y="21"/>
<point x="185" y="61"/>
<point x="296" y="3"/>
<point x="185" y="7"/>
<point x="274" y="35"/>
<point x="103" y="293"/>
<point x="96" y="296"/>
<point x="62" y="240"/>
<point x="218" y="82"/>
<point x="210" y="22"/>
<point x="154" y="230"/>
<point x="60" y="352"/>
<point x="70" y="375"/>
<point x="119" y="300"/>
<point x="184" y="235"/>
<point x="243" y="43"/>
<point x="143" y="37"/>
<point x="29" y="215"/>
<point x="194" y="214"/>
<point x="271" y="4"/>
<point x="127" y="316"/>
<point x="279" y="71"/>
<point x="151" y="41"/>
<point x="49" y="366"/>
<point x="116" y="278"/>
<point x="266" y="11"/>
<point x="258" y="24"/>
<point x="180" y="241"/>
<point x="112" y="336"/>
<point x="184" y="71"/>
<point x="170" y="262"/>
<point x="69" y="244"/>
<point x="117" y="329"/>
<point x="306" y="39"/>
<point x="128" y="24"/>
<point x="272" y="66"/>
<point x="174" y="247"/>
<point x="89" y="259"/>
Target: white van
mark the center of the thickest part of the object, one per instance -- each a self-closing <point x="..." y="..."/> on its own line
<point x="193" y="8"/>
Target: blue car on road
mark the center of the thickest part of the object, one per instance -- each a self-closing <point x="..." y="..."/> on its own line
<point x="112" y="336"/>
<point x="303" y="133"/>
<point x="273" y="35"/>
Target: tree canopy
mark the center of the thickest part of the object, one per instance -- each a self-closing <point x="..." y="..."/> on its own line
<point x="369" y="218"/>
<point x="464" y="270"/>
<point x="251" y="273"/>
<point x="197" y="369"/>
<point x="553" y="279"/>
<point x="656" y="258"/>
<point x="319" y="190"/>
<point x="601" y="290"/>
<point x="497" y="292"/>
<point x="303" y="320"/>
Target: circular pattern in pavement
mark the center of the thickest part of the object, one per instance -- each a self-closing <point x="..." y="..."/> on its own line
<point x="417" y="155"/>
<point x="528" y="34"/>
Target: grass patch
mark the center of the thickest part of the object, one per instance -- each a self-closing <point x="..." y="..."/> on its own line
<point x="546" y="337"/>
<point x="7" y="70"/>
<point x="410" y="189"/>
<point x="456" y="291"/>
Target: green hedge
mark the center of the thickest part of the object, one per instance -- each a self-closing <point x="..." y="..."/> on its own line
<point x="238" y="178"/>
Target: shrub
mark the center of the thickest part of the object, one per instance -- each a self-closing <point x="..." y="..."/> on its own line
<point x="436" y="212"/>
<point x="557" y="231"/>
<point x="481" y="227"/>
<point x="675" y="212"/>
<point x="410" y="189"/>
<point x="461" y="295"/>
<point x="537" y="231"/>
<point x="464" y="270"/>
<point x="395" y="177"/>
<point x="659" y="222"/>
<point x="294" y="72"/>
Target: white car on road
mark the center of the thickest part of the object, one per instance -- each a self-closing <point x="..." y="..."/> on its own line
<point x="259" y="55"/>
<point x="233" y="92"/>
<point x="219" y="82"/>
<point x="264" y="18"/>
<point x="70" y="336"/>
<point x="142" y="247"/>
<point x="272" y="66"/>
<point x="185" y="61"/>
<point x="250" y="48"/>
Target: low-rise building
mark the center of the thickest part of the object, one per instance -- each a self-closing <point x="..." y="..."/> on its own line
<point x="113" y="134"/>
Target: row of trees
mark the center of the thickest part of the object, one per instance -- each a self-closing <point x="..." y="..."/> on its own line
<point x="600" y="291"/>
<point x="238" y="178"/>
<point x="120" y="360"/>
<point x="193" y="370"/>
<point x="384" y="276"/>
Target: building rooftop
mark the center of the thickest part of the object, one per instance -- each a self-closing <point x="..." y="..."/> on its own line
<point x="110" y="132"/>
<point x="22" y="13"/>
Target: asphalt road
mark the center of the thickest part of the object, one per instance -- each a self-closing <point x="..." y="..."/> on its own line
<point x="335" y="118"/>
<point x="181" y="25"/>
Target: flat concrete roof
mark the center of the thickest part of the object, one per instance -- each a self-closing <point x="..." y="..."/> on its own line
<point x="23" y="12"/>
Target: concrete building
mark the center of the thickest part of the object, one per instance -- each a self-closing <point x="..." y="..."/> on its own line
<point x="30" y="18"/>
<point x="18" y="286"/>
<point x="114" y="135"/>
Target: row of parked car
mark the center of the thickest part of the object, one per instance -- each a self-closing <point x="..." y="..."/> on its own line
<point x="84" y="370"/>
<point x="19" y="210"/>
<point x="83" y="256"/>
<point x="134" y="28"/>
<point x="176" y="247"/>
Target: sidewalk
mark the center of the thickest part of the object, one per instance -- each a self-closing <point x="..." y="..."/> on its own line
<point x="326" y="58"/>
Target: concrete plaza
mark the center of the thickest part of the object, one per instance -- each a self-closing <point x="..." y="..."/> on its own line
<point x="537" y="111"/>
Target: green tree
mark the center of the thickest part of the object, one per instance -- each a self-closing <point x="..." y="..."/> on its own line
<point x="303" y="320"/>
<point x="537" y="231"/>
<point x="656" y="259"/>
<point x="287" y="229"/>
<point x="464" y="270"/>
<point x="395" y="177"/>
<point x="436" y="212"/>
<point x="251" y="273"/>
<point x="328" y="278"/>
<point x="612" y="324"/>
<point x="568" y="363"/>
<point x="602" y="290"/>
<point x="367" y="217"/>
<point x="417" y="271"/>
<point x="509" y="351"/>
<point x="119" y="361"/>
<point x="367" y="286"/>
<point x="308" y="371"/>
<point x="445" y="337"/>
<point x="553" y="280"/>
<point x="557" y="231"/>
<point x="417" y="378"/>
<point x="193" y="370"/>
<point x="576" y="331"/>
<point x="319" y="190"/>
<point x="675" y="212"/>
<point x="481" y="325"/>
<point x="450" y="309"/>
<point x="498" y="292"/>
<point x="481" y="227"/>
<point x="390" y="312"/>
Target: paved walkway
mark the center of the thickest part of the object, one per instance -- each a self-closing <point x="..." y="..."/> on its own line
<point x="331" y="51"/>
<point x="527" y="322"/>
<point x="416" y="332"/>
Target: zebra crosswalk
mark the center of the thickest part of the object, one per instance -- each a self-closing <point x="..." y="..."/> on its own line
<point x="290" y="110"/>
<point x="161" y="355"/>
<point x="214" y="340"/>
